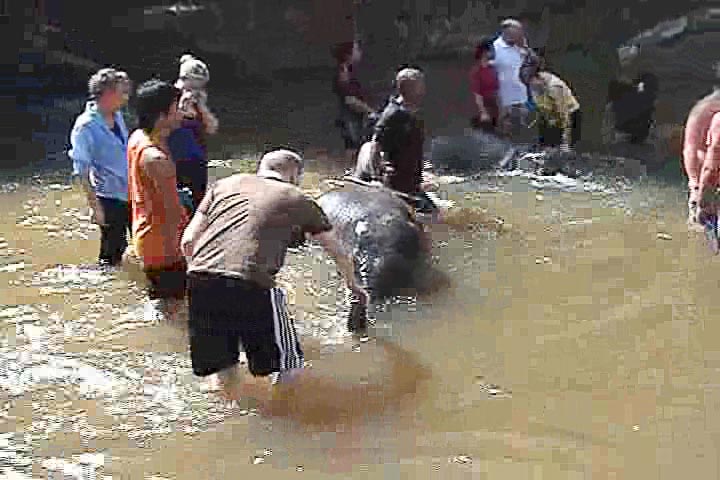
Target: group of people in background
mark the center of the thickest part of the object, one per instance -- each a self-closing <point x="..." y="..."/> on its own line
<point x="386" y="144"/>
<point x="510" y="82"/>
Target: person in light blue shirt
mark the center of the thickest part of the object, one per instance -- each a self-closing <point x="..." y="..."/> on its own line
<point x="99" y="155"/>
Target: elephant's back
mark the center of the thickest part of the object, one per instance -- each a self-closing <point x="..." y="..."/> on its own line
<point x="350" y="205"/>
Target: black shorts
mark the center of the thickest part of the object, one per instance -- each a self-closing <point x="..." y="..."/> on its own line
<point x="226" y="312"/>
<point x="166" y="282"/>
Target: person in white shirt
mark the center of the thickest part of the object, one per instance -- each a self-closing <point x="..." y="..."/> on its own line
<point x="510" y="54"/>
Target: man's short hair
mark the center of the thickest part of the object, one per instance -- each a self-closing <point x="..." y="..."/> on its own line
<point x="280" y="160"/>
<point x="408" y="75"/>
<point x="105" y="79"/>
<point x="154" y="98"/>
<point x="510" y="23"/>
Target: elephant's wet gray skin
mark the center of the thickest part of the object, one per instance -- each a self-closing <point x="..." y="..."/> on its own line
<point x="478" y="151"/>
<point x="375" y="227"/>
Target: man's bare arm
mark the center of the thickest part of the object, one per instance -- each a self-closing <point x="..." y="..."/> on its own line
<point x="480" y="103"/>
<point x="345" y="264"/>
<point x="209" y="119"/>
<point x="83" y="181"/>
<point x="162" y="172"/>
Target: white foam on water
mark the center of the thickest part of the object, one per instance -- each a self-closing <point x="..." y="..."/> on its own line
<point x="23" y="371"/>
<point x="63" y="277"/>
<point x="558" y="181"/>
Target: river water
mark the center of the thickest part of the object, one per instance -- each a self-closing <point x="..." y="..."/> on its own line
<point x="576" y="341"/>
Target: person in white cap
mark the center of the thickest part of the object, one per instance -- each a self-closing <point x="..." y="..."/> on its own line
<point x="188" y="144"/>
<point x="510" y="54"/>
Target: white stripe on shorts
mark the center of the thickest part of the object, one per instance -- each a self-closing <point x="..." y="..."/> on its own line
<point x="291" y="355"/>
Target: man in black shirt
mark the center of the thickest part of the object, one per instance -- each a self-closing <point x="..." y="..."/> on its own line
<point x="398" y="139"/>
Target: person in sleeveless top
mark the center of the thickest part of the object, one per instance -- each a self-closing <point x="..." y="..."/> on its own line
<point x="158" y="219"/>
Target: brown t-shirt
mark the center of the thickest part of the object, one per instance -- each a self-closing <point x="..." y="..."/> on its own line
<point x="251" y="223"/>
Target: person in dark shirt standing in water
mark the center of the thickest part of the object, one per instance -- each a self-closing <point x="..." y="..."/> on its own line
<point x="399" y="138"/>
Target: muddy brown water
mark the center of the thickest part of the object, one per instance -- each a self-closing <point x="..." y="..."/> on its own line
<point x="577" y="341"/>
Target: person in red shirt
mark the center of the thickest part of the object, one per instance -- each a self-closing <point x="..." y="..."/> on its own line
<point x="484" y="87"/>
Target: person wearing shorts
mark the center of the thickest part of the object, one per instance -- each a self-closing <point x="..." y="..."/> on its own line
<point x="235" y="245"/>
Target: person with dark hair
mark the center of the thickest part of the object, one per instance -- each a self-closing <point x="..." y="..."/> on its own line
<point x="158" y="219"/>
<point x="353" y="109"/>
<point x="639" y="108"/>
<point x="484" y="87"/>
<point x="557" y="107"/>
<point x="632" y="105"/>
<point x="99" y="148"/>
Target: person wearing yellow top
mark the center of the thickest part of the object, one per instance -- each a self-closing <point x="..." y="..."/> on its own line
<point x="558" y="110"/>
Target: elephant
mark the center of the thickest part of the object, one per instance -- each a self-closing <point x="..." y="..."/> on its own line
<point x="479" y="151"/>
<point x="377" y="230"/>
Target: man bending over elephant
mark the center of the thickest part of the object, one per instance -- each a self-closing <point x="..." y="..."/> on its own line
<point x="235" y="245"/>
